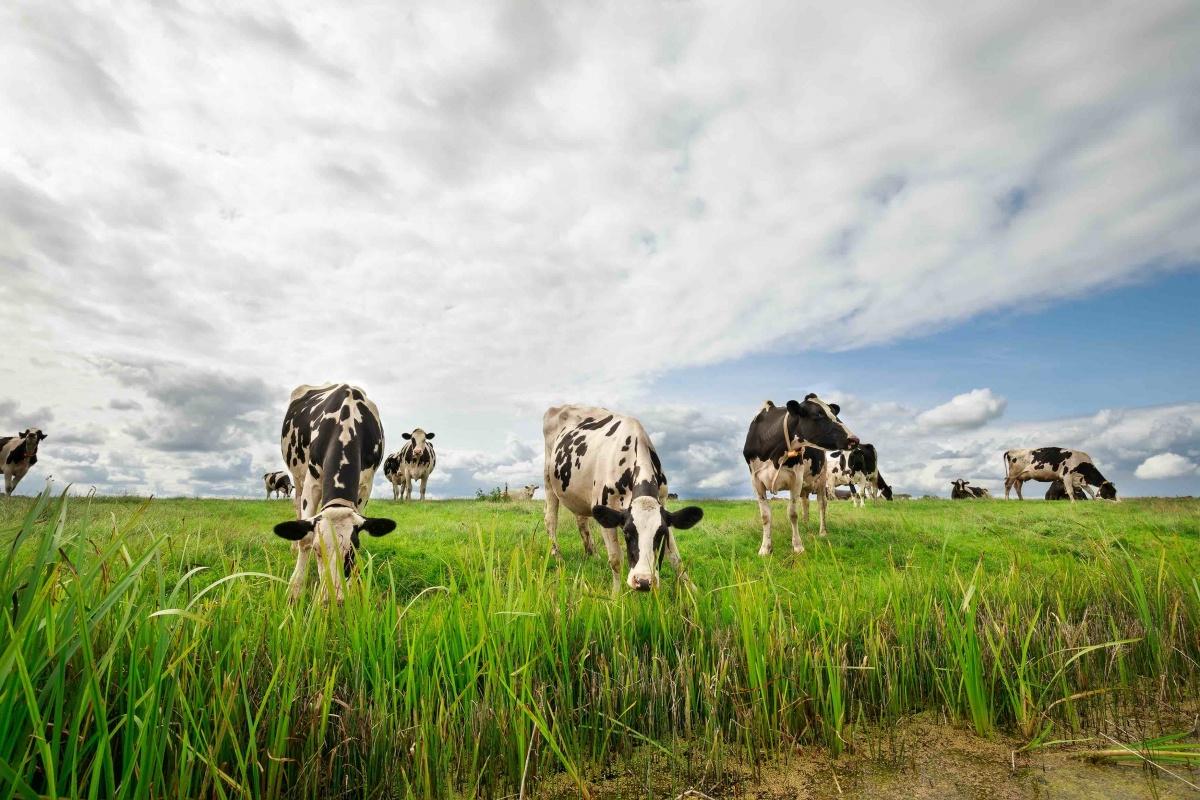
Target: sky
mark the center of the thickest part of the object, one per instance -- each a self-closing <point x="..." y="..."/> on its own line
<point x="974" y="226"/>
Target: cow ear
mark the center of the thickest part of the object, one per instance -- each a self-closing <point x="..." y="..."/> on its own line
<point x="685" y="518"/>
<point x="41" y="436"/>
<point x="835" y="408"/>
<point x="608" y="517"/>
<point x="795" y="408"/>
<point x="295" y="529"/>
<point x="406" y="436"/>
<point x="429" y="435"/>
<point x="377" y="526"/>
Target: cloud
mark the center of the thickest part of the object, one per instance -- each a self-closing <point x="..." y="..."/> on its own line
<point x="965" y="411"/>
<point x="124" y="404"/>
<point x="1165" y="465"/>
<point x="11" y="416"/>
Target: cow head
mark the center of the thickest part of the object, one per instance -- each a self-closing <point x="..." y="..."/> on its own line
<point x="1108" y="491"/>
<point x="336" y="526"/>
<point x="646" y="525"/>
<point x="31" y="437"/>
<point x="959" y="485"/>
<point x="886" y="491"/>
<point x="418" y="438"/>
<point x="816" y="422"/>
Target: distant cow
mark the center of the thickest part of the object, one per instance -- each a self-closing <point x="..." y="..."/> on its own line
<point x="855" y="467"/>
<point x="959" y="490"/>
<point x="521" y="493"/>
<point x="1058" y="491"/>
<point x="783" y="450"/>
<point x="602" y="465"/>
<point x="1048" y="464"/>
<point x="278" y="483"/>
<point x="881" y="487"/>
<point x="412" y="462"/>
<point x="332" y="443"/>
<point x="672" y="496"/>
<point x="17" y="454"/>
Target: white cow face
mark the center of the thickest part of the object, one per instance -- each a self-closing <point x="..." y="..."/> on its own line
<point x="646" y="525"/>
<point x="32" y="436"/>
<point x="418" y="438"/>
<point x="336" y="529"/>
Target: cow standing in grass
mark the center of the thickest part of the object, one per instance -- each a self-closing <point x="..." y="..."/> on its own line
<point x="412" y="462"/>
<point x="17" y="454"/>
<point x="785" y="449"/>
<point x="603" y="466"/>
<point x="856" y="467"/>
<point x="1048" y="464"/>
<point x="332" y="443"/>
<point x="277" y="483"/>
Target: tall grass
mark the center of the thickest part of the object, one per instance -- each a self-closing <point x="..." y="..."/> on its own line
<point x="136" y="672"/>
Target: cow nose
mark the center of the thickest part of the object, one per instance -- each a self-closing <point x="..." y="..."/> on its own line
<point x="641" y="584"/>
<point x="853" y="441"/>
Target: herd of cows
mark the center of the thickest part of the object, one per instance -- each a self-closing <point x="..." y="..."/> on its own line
<point x="599" y="465"/>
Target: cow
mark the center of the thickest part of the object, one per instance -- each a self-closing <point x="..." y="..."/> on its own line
<point x="17" y="454"/>
<point x="278" y="483"/>
<point x="412" y="462"/>
<point x="844" y="493"/>
<point x="332" y="443"/>
<point x="783" y="450"/>
<point x="602" y="465"/>
<point x="672" y="496"/>
<point x="856" y="467"/>
<point x="1048" y="464"/>
<point x="880" y="487"/>
<point x="522" y="493"/>
<point x="1058" y="491"/>
<point x="959" y="490"/>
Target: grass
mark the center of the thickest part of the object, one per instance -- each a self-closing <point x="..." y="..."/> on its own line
<point x="147" y="648"/>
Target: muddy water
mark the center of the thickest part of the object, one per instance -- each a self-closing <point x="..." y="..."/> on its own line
<point x="919" y="758"/>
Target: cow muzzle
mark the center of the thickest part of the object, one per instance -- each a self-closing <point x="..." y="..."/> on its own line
<point x="853" y="442"/>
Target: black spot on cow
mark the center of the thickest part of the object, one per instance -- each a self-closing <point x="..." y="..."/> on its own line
<point x="1051" y="457"/>
<point x="613" y="429"/>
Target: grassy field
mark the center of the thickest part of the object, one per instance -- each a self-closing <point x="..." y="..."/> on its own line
<point x="148" y="650"/>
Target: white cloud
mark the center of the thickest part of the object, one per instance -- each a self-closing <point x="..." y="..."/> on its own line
<point x="475" y="209"/>
<point x="1165" y="465"/>
<point x="972" y="409"/>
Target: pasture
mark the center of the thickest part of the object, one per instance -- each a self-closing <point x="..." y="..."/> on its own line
<point x="148" y="650"/>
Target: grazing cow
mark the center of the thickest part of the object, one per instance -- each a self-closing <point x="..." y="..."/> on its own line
<point x="1048" y="464"/>
<point x="856" y="467"/>
<point x="783" y="451"/>
<point x="1058" y="491"/>
<point x="959" y="490"/>
<point x="17" y="454"/>
<point x="278" y="483"/>
<point x="844" y="493"/>
<point x="412" y="462"/>
<point x="602" y="465"/>
<point x="881" y="487"/>
<point x="332" y="443"/>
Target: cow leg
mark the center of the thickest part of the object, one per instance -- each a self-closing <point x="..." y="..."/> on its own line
<point x="299" y="574"/>
<point x="804" y="508"/>
<point x="1007" y="486"/>
<point x="424" y="482"/>
<point x="764" y="512"/>
<point x="395" y="491"/>
<point x="9" y="484"/>
<point x="585" y="533"/>
<point x="822" y="504"/>
<point x="1068" y="480"/>
<point x="614" y="556"/>
<point x="551" y="517"/>
<point x="797" y="541"/>
<point x="1017" y="486"/>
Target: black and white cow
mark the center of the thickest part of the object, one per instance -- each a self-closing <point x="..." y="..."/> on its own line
<point x="17" y="454"/>
<point x="856" y="467"/>
<point x="603" y="466"/>
<point x="1058" y="491"/>
<point x="783" y="450"/>
<point x="277" y="483"/>
<point x="412" y="462"/>
<point x="881" y="487"/>
<point x="332" y="443"/>
<point x="1048" y="464"/>
<point x="960" y="490"/>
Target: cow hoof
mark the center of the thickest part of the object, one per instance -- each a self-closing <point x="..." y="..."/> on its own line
<point x="764" y="551"/>
<point x="798" y="550"/>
